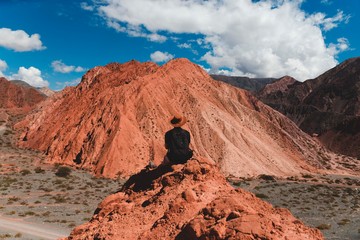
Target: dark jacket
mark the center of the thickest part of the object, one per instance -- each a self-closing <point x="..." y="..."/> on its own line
<point x="177" y="142"/>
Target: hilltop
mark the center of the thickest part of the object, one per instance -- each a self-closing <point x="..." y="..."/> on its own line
<point x="191" y="201"/>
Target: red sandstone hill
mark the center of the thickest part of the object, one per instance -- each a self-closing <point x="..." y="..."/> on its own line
<point x="191" y="201"/>
<point x="328" y="105"/>
<point x="17" y="96"/>
<point x="114" y="121"/>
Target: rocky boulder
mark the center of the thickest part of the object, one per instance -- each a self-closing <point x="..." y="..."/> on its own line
<point x="190" y="201"/>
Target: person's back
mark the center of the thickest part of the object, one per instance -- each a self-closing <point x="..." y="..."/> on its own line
<point x="177" y="142"/>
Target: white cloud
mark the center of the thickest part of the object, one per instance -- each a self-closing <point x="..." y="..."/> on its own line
<point x="326" y="2"/>
<point x="184" y="45"/>
<point x="3" y="65"/>
<point x="161" y="56"/>
<point x="136" y="31"/>
<point x="59" y="66"/>
<point x="86" y="6"/>
<point x="269" y="38"/>
<point x="329" y="23"/>
<point x="74" y="82"/>
<point x="19" y="40"/>
<point x="341" y="46"/>
<point x="30" y="75"/>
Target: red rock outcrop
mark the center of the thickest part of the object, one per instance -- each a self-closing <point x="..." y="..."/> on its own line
<point x="328" y="106"/>
<point x="16" y="96"/>
<point x="191" y="201"/>
<point x="114" y="121"/>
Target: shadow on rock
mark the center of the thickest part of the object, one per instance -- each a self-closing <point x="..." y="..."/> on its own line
<point x="143" y="180"/>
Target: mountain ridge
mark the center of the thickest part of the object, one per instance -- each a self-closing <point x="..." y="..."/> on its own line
<point x="113" y="123"/>
<point x="326" y="106"/>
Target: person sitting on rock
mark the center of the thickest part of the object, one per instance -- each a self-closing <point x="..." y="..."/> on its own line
<point x="177" y="142"/>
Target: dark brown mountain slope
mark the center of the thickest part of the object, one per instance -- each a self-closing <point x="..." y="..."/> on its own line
<point x="250" y="84"/>
<point x="328" y="105"/>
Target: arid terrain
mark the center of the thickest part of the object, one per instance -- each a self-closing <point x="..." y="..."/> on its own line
<point x="74" y="167"/>
<point x="328" y="202"/>
<point x="50" y="206"/>
<point x="35" y="203"/>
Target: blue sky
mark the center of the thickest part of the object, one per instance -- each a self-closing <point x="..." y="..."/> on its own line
<point x="52" y="43"/>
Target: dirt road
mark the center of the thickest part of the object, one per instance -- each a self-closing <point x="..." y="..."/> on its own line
<point x="30" y="230"/>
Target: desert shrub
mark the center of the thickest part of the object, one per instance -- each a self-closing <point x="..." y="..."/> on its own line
<point x="63" y="172"/>
<point x="344" y="222"/>
<point x="307" y="176"/>
<point x="238" y="183"/>
<point x="39" y="170"/>
<point x="261" y="195"/>
<point x="29" y="213"/>
<point x="18" y="235"/>
<point x="13" y="199"/>
<point x="324" y="226"/>
<point x="267" y="177"/>
<point x="58" y="182"/>
<point x="6" y="235"/>
<point x="71" y="225"/>
<point x="59" y="199"/>
<point x="46" y="214"/>
<point x="7" y="132"/>
<point x="25" y="172"/>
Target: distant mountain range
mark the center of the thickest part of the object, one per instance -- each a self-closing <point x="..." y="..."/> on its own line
<point x="44" y="90"/>
<point x="18" y="94"/>
<point x="327" y="106"/>
<point x="250" y="84"/>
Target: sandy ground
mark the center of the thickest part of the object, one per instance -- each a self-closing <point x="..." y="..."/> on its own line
<point x="30" y="230"/>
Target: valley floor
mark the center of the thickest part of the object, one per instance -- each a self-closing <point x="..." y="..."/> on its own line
<point x="329" y="203"/>
<point x="37" y="204"/>
<point x="32" y="195"/>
